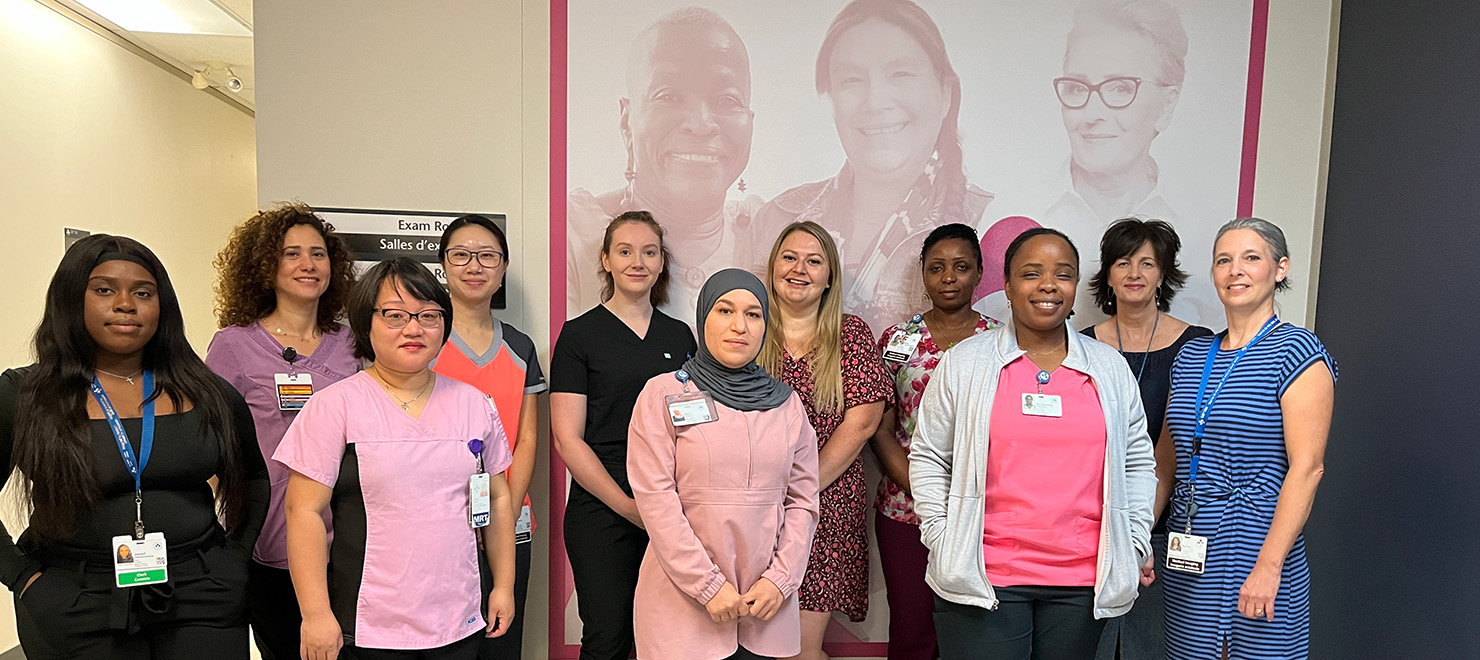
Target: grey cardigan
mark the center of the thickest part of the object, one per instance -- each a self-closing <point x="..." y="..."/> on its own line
<point x="948" y="459"/>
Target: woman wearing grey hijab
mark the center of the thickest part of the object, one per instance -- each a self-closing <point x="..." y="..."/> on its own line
<point x="723" y="465"/>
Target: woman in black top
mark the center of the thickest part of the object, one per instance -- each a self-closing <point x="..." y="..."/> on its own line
<point x="1138" y="277"/>
<point x="601" y="363"/>
<point x="116" y="383"/>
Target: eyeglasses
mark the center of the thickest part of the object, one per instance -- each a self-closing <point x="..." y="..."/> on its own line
<point x="486" y="259"/>
<point x="398" y="318"/>
<point x="1115" y="93"/>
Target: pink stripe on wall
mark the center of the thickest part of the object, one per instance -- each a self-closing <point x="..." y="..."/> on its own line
<point x="1258" y="36"/>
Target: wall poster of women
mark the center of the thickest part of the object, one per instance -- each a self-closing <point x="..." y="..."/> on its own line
<point x="880" y="120"/>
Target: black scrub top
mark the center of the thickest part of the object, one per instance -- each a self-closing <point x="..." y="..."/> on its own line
<point x="599" y="356"/>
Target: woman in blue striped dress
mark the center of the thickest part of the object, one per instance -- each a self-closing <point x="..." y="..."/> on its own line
<point x="1248" y="417"/>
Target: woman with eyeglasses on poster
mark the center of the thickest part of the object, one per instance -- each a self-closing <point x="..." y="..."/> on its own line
<point x="601" y="362"/>
<point x="117" y="431"/>
<point x="282" y="280"/>
<point x="501" y="362"/>
<point x="410" y="464"/>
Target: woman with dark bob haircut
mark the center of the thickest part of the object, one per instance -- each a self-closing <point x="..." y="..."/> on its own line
<point x="282" y="281"/>
<point x="398" y="452"/>
<point x="1138" y="277"/>
<point x="114" y="371"/>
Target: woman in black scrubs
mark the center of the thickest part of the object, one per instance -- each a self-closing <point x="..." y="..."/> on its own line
<point x="118" y="430"/>
<point x="601" y="363"/>
<point x="1138" y="277"/>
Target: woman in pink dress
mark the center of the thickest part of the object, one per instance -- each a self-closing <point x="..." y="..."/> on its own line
<point x="723" y="465"/>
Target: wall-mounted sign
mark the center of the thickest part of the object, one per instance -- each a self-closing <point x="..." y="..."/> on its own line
<point x="374" y="235"/>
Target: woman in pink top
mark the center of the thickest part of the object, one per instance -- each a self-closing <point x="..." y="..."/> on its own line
<point x="723" y="465"/>
<point x="398" y="453"/>
<point x="1032" y="475"/>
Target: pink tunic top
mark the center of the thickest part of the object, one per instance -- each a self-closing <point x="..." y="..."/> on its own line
<point x="405" y="576"/>
<point x="733" y="500"/>
<point x="1045" y="481"/>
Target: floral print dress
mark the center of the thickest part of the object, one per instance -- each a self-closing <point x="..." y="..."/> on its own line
<point x="910" y="377"/>
<point x="837" y="570"/>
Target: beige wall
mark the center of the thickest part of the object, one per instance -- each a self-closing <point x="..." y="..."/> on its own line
<point x="391" y="107"/>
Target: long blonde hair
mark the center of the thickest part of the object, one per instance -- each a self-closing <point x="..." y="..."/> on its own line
<point x="826" y="359"/>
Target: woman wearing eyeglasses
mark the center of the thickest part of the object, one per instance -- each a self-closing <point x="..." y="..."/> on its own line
<point x="1124" y="65"/>
<point x="501" y="362"/>
<point x="411" y="465"/>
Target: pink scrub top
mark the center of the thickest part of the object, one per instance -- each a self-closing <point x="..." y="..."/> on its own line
<point x="1044" y="483"/>
<point x="404" y="561"/>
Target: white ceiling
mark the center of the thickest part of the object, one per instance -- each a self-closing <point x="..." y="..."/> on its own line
<point x="191" y="52"/>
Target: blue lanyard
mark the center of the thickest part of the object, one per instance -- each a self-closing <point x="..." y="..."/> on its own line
<point x="146" y="442"/>
<point x="1205" y="405"/>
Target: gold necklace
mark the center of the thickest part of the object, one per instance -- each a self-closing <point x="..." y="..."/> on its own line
<point x="405" y="405"/>
<point x="129" y="378"/>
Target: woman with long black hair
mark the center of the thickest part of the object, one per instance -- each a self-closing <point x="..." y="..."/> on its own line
<point x="117" y="430"/>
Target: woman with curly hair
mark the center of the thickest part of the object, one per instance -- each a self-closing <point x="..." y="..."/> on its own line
<point x="284" y="277"/>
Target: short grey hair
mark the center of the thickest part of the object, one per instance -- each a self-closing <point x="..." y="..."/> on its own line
<point x="1156" y="20"/>
<point x="1266" y="230"/>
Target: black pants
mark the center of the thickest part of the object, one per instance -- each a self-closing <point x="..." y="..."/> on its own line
<point x="272" y="609"/>
<point x="510" y="645"/>
<point x="743" y="653"/>
<point x="463" y="649"/>
<point x="78" y="614"/>
<point x="1030" y="623"/>
<point x="605" y="553"/>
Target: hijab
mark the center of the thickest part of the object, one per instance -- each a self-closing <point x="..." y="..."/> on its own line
<point x="749" y="387"/>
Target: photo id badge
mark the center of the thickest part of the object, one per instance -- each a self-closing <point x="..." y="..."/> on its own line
<point x="901" y="346"/>
<point x="1186" y="552"/>
<point x="1043" y="405"/>
<point x="293" y="390"/>
<point x="478" y="500"/>
<point x="690" y="408"/>
<point x="139" y="562"/>
<point x="522" y="527"/>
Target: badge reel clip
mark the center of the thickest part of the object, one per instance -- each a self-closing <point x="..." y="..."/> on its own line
<point x="689" y="408"/>
<point x="1040" y="404"/>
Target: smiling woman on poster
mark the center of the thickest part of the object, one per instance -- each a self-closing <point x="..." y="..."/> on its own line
<point x="686" y="123"/>
<point x="1124" y="64"/>
<point x="895" y="99"/>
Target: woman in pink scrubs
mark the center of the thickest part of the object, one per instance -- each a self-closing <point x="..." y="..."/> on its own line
<point x="398" y="454"/>
<point x="723" y="465"/>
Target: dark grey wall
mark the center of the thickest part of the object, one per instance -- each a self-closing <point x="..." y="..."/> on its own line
<point x="1395" y="538"/>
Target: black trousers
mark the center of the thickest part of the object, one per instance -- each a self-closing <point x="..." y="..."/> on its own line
<point x="743" y="653"/>
<point x="1030" y="623"/>
<point x="76" y="613"/>
<point x="605" y="553"/>
<point x="510" y="645"/>
<point x="272" y="609"/>
<point x="463" y="649"/>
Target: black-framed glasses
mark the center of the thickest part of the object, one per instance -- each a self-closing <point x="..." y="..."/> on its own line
<point x="486" y="258"/>
<point x="1115" y="93"/>
<point x="398" y="318"/>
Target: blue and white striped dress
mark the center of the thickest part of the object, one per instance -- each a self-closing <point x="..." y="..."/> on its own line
<point x="1242" y="468"/>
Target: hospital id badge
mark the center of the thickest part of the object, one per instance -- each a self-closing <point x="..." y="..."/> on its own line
<point x="1043" y="405"/>
<point x="137" y="562"/>
<point x="690" y="408"/>
<point x="1187" y="552"/>
<point x="293" y="390"/>
<point x="901" y="346"/>
<point x="523" y="528"/>
<point x="478" y="500"/>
